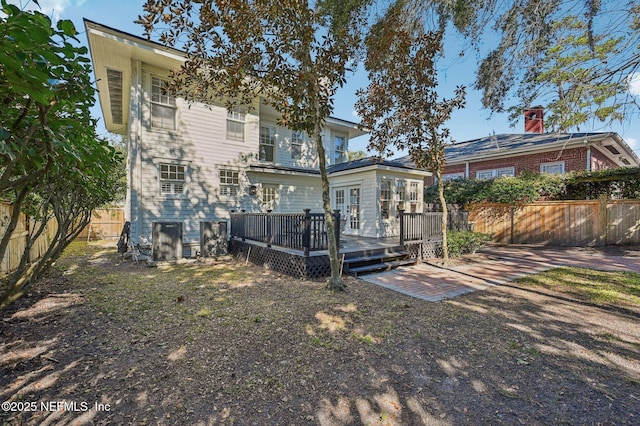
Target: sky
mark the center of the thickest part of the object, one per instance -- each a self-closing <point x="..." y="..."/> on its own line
<point x="470" y="123"/>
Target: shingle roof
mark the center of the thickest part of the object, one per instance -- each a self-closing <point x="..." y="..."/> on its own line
<point x="510" y="144"/>
<point x="368" y="161"/>
<point x="491" y="145"/>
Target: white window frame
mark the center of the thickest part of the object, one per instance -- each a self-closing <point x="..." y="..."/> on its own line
<point x="229" y="182"/>
<point x="493" y="173"/>
<point x="162" y="103"/>
<point x="269" y="196"/>
<point x="172" y="178"/>
<point x="340" y="155"/>
<point x="267" y="143"/>
<point x="545" y="166"/>
<point x="297" y="140"/>
<point x="386" y="199"/>
<point x="236" y="117"/>
<point x="452" y="176"/>
<point x="414" y="196"/>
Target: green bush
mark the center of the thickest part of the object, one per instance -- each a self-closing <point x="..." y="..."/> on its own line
<point x="465" y="242"/>
<point x="621" y="183"/>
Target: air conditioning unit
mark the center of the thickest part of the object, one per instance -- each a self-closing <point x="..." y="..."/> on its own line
<point x="213" y="239"/>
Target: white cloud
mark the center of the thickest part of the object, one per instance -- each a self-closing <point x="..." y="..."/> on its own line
<point x="51" y="8"/>
<point x="633" y="143"/>
<point x="633" y="83"/>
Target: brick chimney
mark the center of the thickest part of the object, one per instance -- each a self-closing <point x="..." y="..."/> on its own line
<point x="534" y="120"/>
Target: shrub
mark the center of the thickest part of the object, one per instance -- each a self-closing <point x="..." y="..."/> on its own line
<point x="465" y="242"/>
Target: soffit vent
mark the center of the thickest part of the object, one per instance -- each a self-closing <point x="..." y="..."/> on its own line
<point x="114" y="82"/>
<point x="612" y="149"/>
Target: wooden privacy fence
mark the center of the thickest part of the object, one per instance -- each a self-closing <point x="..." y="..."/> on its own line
<point x="20" y="236"/>
<point x="561" y="223"/>
<point x="105" y="223"/>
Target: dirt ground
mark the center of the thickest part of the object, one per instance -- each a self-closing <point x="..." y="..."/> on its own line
<point x="107" y="341"/>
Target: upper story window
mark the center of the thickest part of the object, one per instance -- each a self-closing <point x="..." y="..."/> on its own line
<point x="297" y="139"/>
<point x="556" y="168"/>
<point x="488" y="174"/>
<point x="172" y="179"/>
<point x="163" y="105"/>
<point x="235" y="124"/>
<point x="267" y="143"/>
<point x="340" y="146"/>
<point x="229" y="182"/>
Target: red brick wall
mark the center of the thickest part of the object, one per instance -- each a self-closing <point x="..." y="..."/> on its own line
<point x="600" y="162"/>
<point x="574" y="159"/>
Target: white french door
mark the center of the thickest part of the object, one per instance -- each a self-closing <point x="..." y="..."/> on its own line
<point x="347" y="200"/>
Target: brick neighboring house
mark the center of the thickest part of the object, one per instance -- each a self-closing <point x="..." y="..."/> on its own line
<point x="512" y="154"/>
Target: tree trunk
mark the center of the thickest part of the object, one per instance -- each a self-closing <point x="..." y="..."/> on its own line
<point x="445" y="214"/>
<point x="335" y="282"/>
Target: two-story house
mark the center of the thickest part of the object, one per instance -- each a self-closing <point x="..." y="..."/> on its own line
<point x="189" y="162"/>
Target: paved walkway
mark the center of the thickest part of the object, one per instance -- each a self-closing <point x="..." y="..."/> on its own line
<point x="497" y="265"/>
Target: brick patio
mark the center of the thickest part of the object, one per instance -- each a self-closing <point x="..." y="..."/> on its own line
<point x="497" y="265"/>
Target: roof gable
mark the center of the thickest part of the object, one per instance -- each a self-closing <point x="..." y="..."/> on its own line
<point x="511" y="145"/>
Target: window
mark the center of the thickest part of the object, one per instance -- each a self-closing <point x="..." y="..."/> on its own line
<point x="171" y="179"/>
<point x="401" y="192"/>
<point x="235" y="124"/>
<point x="297" y="139"/>
<point x="488" y="174"/>
<point x="552" y="168"/>
<point x="452" y="176"/>
<point x="229" y="183"/>
<point x="340" y="144"/>
<point x="413" y="196"/>
<point x="163" y="105"/>
<point x="267" y="143"/>
<point x="385" y="198"/>
<point x="269" y="196"/>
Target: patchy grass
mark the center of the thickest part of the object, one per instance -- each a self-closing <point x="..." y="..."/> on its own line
<point x="598" y="287"/>
<point x="233" y="344"/>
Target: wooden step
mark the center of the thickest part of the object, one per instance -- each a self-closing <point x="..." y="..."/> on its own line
<point x="377" y="256"/>
<point x="378" y="267"/>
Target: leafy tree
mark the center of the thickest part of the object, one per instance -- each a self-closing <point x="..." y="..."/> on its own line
<point x="573" y="57"/>
<point x="401" y="105"/>
<point x="52" y="164"/>
<point x="356" y="155"/>
<point x="294" y="54"/>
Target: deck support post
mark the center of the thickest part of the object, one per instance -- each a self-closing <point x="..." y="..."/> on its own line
<point x="268" y="228"/>
<point x="336" y="227"/>
<point x="306" y="232"/>
<point x="402" y="225"/>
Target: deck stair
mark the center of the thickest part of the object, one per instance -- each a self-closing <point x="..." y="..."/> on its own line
<point x="377" y="260"/>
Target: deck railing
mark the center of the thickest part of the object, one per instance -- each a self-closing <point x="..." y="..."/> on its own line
<point x="306" y="231"/>
<point x="424" y="226"/>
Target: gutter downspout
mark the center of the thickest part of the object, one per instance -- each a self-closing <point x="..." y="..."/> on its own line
<point x="588" y="157"/>
<point x="466" y="170"/>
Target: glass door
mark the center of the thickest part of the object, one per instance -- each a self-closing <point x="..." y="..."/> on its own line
<point x="354" y="209"/>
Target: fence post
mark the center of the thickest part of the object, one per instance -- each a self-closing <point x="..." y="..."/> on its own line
<point x="402" y="225"/>
<point x="513" y="224"/>
<point x="604" y="221"/>
<point x="269" y="232"/>
<point x="306" y="232"/>
<point x="336" y="227"/>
